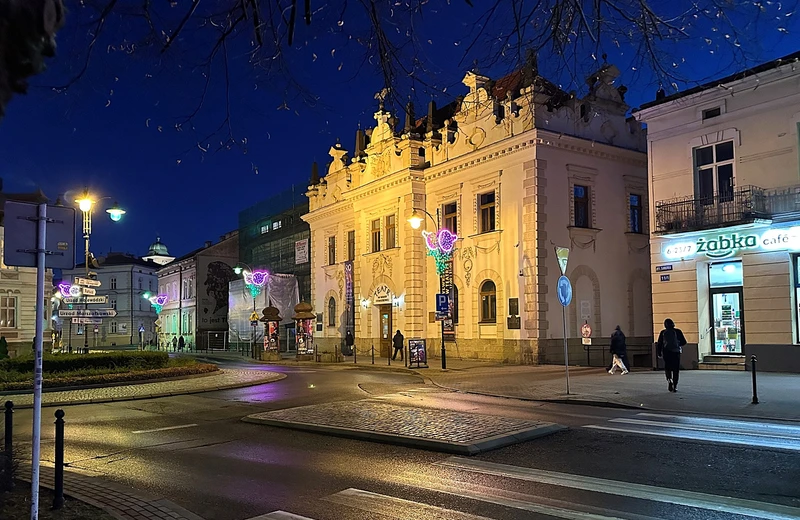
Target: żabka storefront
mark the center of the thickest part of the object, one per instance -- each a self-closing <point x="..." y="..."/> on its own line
<point x="734" y="292"/>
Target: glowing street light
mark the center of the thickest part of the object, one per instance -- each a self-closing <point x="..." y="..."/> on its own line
<point x="415" y="219"/>
<point x="115" y="212"/>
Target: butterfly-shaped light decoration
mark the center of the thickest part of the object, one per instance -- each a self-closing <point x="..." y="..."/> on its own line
<point x="161" y="299"/>
<point x="257" y="278"/>
<point x="446" y="240"/>
<point x="430" y="240"/>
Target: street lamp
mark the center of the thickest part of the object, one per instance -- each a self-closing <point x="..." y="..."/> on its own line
<point x="440" y="246"/>
<point x="255" y="280"/>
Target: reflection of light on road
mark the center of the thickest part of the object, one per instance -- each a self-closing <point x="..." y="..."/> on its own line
<point x="312" y="386"/>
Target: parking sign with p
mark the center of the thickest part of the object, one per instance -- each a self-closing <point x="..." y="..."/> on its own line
<point x="442" y="303"/>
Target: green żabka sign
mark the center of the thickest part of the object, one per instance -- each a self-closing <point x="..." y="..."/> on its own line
<point x="726" y="245"/>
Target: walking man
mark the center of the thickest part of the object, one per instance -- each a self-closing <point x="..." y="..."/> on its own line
<point x="669" y="346"/>
<point x="397" y="342"/>
<point x="619" y="352"/>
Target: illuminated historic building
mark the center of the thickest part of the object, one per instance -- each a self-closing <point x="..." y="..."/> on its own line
<point x="726" y="237"/>
<point x="512" y="167"/>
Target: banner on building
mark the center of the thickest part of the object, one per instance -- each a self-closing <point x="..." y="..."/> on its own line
<point x="349" y="295"/>
<point x="301" y="251"/>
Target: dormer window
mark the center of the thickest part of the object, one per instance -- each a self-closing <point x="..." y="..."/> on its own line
<point x="711" y="113"/>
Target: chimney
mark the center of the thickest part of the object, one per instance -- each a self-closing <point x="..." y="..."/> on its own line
<point x="360" y="143"/>
<point x="431" y="110"/>
<point x="410" y="123"/>
<point x="208" y="243"/>
<point x="314" y="174"/>
<point x="660" y="94"/>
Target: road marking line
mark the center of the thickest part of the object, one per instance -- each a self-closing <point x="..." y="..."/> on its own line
<point x="743" y="439"/>
<point x="744" y="507"/>
<point x="280" y="515"/>
<point x="722" y="423"/>
<point x="704" y="428"/>
<point x="166" y="428"/>
<point x="393" y="507"/>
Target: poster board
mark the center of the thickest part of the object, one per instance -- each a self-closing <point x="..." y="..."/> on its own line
<point x="417" y="353"/>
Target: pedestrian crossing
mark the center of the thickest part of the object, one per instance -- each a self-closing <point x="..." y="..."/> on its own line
<point x="725" y="431"/>
<point x="469" y="489"/>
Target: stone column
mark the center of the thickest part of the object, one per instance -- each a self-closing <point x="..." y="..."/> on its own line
<point x="415" y="258"/>
<point x="535" y="267"/>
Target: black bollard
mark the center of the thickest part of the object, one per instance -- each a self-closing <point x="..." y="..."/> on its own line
<point x="755" y="387"/>
<point x="373" y="354"/>
<point x="58" y="500"/>
<point x="389" y="357"/>
<point x="355" y="354"/>
<point x="9" y="431"/>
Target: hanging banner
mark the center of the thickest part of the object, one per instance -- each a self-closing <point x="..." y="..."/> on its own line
<point x="301" y="251"/>
<point x="349" y="294"/>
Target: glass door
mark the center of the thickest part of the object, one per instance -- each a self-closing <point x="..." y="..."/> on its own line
<point x="386" y="329"/>
<point x="727" y="318"/>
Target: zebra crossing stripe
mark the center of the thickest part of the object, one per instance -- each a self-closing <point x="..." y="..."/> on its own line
<point x="739" y="506"/>
<point x="280" y="515"/>
<point x="393" y="507"/>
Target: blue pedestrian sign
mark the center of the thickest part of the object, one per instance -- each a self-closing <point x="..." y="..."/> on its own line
<point x="442" y="303"/>
<point x="564" y="290"/>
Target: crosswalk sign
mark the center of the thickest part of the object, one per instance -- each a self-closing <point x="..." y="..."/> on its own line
<point x="254" y="316"/>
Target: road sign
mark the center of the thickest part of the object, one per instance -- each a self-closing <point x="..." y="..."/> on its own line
<point x="141" y="328"/>
<point x="254" y="316"/>
<point x="88" y="291"/>
<point x="20" y="234"/>
<point x="87" y="313"/>
<point x="562" y="255"/>
<point x="87" y="299"/>
<point x="442" y="303"/>
<point x="87" y="321"/>
<point x="87" y="282"/>
<point x="564" y="290"/>
<point x="586" y="330"/>
<point x="586" y="341"/>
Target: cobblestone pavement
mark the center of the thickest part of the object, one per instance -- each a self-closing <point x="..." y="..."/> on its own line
<point x="224" y="379"/>
<point x="420" y="427"/>
<point x="116" y="500"/>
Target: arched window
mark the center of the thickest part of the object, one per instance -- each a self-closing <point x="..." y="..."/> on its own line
<point x="454" y="304"/>
<point x="331" y="312"/>
<point x="488" y="302"/>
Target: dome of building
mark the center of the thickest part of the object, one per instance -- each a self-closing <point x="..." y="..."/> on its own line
<point x="158" y="249"/>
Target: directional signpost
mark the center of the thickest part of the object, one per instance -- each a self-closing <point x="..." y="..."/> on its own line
<point x="87" y="313"/>
<point x="87" y="299"/>
<point x="88" y="291"/>
<point x="564" y="291"/>
<point x="87" y="321"/>
<point x="87" y="282"/>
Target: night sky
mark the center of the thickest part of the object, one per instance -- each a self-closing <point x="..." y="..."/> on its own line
<point x="114" y="129"/>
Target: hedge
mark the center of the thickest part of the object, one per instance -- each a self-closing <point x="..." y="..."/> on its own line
<point x="54" y="363"/>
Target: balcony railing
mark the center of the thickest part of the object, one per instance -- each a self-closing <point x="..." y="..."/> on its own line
<point x="743" y="205"/>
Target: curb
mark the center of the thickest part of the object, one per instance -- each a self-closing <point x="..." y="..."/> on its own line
<point x="75" y="402"/>
<point x="489" y="443"/>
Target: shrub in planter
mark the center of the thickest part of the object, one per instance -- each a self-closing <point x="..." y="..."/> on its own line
<point x="54" y="363"/>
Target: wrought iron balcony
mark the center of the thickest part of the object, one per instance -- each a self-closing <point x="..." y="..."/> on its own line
<point x="743" y="205"/>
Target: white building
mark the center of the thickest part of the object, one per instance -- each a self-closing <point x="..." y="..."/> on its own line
<point x="124" y="280"/>
<point x="512" y="167"/>
<point x="196" y="286"/>
<point x="725" y="192"/>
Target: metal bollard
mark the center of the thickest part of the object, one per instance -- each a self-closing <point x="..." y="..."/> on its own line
<point x="9" y="431"/>
<point x="755" y="387"/>
<point x="389" y="357"/>
<point x="58" y="500"/>
<point x="373" y="354"/>
<point x="355" y="354"/>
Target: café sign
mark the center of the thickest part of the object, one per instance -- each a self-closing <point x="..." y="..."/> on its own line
<point x="725" y="245"/>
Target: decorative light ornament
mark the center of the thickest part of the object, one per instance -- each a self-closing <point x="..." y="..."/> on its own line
<point x="440" y="246"/>
<point x="115" y="212"/>
<point x="68" y="290"/>
<point x="255" y="281"/>
<point x="158" y="302"/>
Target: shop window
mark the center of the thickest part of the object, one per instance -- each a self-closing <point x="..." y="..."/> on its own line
<point x="487" y="211"/>
<point x="351" y="245"/>
<point x="331" y="250"/>
<point x="391" y="229"/>
<point x="331" y="312"/>
<point x="8" y="312"/>
<point x="714" y="172"/>
<point x="488" y="302"/>
<point x="635" y="209"/>
<point x="450" y="213"/>
<point x="375" y="230"/>
<point x="727" y="311"/>
<point x="581" y="204"/>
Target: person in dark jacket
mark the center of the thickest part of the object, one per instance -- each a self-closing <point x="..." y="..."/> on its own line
<point x="181" y="344"/>
<point x="349" y="341"/>
<point x="619" y="352"/>
<point x="397" y="342"/>
<point x="669" y="346"/>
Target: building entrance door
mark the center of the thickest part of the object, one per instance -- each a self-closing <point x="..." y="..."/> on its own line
<point x="727" y="318"/>
<point x="386" y="329"/>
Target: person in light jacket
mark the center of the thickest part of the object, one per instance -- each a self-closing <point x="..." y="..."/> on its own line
<point x="669" y="346"/>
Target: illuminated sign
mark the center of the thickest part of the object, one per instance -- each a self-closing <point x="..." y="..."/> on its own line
<point x="724" y="245"/>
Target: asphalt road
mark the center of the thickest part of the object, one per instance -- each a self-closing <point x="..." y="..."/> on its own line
<point x="610" y="464"/>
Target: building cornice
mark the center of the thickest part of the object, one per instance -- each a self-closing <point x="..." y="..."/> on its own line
<point x="337" y="208"/>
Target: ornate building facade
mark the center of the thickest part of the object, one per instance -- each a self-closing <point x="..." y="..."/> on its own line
<point x="513" y="168"/>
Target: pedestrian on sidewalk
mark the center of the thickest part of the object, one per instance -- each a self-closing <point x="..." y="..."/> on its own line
<point x="669" y="346"/>
<point x="349" y="341"/>
<point x="397" y="341"/>
<point x="619" y="351"/>
<point x="181" y="344"/>
<point x="174" y="343"/>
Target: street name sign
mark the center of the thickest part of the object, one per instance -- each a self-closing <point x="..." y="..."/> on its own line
<point x="88" y="291"/>
<point x="87" y="299"/>
<point x="87" y="313"/>
<point x="87" y="321"/>
<point x="87" y="282"/>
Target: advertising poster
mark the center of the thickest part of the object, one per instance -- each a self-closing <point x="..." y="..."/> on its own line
<point x="417" y="353"/>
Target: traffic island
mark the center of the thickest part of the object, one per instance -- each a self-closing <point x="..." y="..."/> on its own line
<point x="423" y="428"/>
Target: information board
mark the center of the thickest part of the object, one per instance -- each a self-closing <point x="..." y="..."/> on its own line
<point x="417" y="353"/>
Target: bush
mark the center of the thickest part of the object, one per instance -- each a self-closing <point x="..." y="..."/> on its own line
<point x="54" y="363"/>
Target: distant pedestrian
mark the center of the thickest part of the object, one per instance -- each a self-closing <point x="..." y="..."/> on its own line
<point x="397" y="341"/>
<point x="619" y="351"/>
<point x="349" y="341"/>
<point x="669" y="346"/>
<point x="3" y="347"/>
<point x="181" y="344"/>
<point x="174" y="343"/>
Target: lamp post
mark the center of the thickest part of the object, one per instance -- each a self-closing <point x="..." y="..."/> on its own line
<point x="86" y="203"/>
<point x="440" y="246"/>
<point x="255" y="280"/>
<point x="157" y="301"/>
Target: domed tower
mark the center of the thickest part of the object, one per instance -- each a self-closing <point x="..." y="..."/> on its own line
<point x="158" y="253"/>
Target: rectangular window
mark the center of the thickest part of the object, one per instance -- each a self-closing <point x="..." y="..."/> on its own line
<point x="276" y="225"/>
<point x="113" y="302"/>
<point x="351" y="245"/>
<point x="391" y="229"/>
<point x="112" y="283"/>
<point x="710" y="113"/>
<point x="265" y="229"/>
<point x="487" y="211"/>
<point x="635" y="203"/>
<point x="450" y="213"/>
<point x="581" y="205"/>
<point x="8" y="312"/>
<point x="714" y="173"/>
<point x="113" y="327"/>
<point x="331" y="250"/>
<point x="149" y="285"/>
<point x="375" y="230"/>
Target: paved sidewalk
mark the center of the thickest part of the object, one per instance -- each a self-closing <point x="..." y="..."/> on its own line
<point x="439" y="430"/>
<point x="222" y="380"/>
<point x="116" y="500"/>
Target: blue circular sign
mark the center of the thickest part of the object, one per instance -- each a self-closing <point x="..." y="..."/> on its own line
<point x="564" y="290"/>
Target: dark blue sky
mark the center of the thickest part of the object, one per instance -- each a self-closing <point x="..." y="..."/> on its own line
<point x="114" y="130"/>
